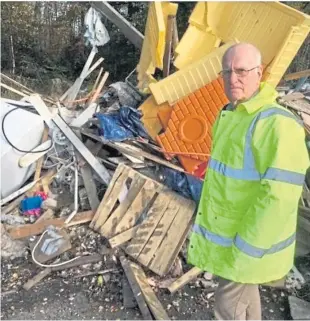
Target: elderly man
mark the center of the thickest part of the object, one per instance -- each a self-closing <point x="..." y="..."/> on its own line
<point x="246" y="221"/>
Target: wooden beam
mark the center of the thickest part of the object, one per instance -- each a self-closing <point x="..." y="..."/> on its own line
<point x="40" y="160"/>
<point x="47" y="116"/>
<point x="37" y="278"/>
<point x="184" y="279"/>
<point x="19" y="232"/>
<point x="135" y="288"/>
<point x="152" y="301"/>
<point x="297" y="75"/>
<point x="175" y="36"/>
<point x="129" y="31"/>
<point x="124" y="237"/>
<point x="167" y="55"/>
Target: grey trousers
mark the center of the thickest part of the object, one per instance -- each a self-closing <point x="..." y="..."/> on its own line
<point x="237" y="301"/>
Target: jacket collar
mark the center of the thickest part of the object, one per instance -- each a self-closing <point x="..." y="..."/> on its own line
<point x="266" y="95"/>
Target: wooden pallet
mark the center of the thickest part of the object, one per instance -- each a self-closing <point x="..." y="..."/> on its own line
<point x="150" y="223"/>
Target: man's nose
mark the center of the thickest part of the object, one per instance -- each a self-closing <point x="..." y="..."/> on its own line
<point x="233" y="77"/>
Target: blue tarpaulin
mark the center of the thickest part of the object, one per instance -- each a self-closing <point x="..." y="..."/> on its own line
<point x="122" y="125"/>
<point x="187" y="185"/>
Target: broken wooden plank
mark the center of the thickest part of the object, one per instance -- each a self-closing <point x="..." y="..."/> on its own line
<point x="117" y="173"/>
<point x="129" y="31"/>
<point x="78" y="82"/>
<point x="19" y="232"/>
<point x="35" y="154"/>
<point x="42" y="109"/>
<point x="144" y="197"/>
<point x="184" y="279"/>
<point x="47" y="215"/>
<point x="300" y="309"/>
<point x="37" y="173"/>
<point x="167" y="55"/>
<point x="147" y="227"/>
<point x="9" y="208"/>
<point x="134" y="151"/>
<point x="124" y="237"/>
<point x="176" y="235"/>
<point x="99" y="88"/>
<point x="37" y="278"/>
<point x="175" y="36"/>
<point x="158" y="235"/>
<point x="129" y="301"/>
<point x="135" y="288"/>
<point x="109" y="228"/>
<point x="297" y="75"/>
<point x="111" y="200"/>
<point x="93" y="258"/>
<point x="94" y="66"/>
<point x="151" y="299"/>
<point x="88" y="180"/>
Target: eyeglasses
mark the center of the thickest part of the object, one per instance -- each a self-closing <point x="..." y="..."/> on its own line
<point x="240" y="72"/>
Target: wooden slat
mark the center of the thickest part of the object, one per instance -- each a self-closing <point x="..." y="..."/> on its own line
<point x="116" y="175"/>
<point x="152" y="301"/>
<point x="47" y="215"/>
<point x="19" y="232"/>
<point x="174" y="238"/>
<point x="158" y="235"/>
<point x="297" y="75"/>
<point x="112" y="199"/>
<point x="37" y="278"/>
<point x="37" y="174"/>
<point x="148" y="226"/>
<point x="138" y="205"/>
<point x="109" y="228"/>
<point x="135" y="288"/>
<point x="124" y="237"/>
<point x="184" y="279"/>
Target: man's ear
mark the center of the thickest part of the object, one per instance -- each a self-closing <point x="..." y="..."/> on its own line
<point x="260" y="71"/>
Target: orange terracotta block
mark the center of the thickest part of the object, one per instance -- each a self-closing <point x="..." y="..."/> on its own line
<point x="188" y="125"/>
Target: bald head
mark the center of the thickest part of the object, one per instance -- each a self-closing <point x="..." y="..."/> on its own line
<point x="242" y="71"/>
<point x="245" y="50"/>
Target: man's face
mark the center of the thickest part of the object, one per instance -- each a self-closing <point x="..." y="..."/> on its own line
<point x="241" y="74"/>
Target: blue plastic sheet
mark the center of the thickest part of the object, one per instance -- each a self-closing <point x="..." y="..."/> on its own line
<point x="124" y="124"/>
<point x="187" y="185"/>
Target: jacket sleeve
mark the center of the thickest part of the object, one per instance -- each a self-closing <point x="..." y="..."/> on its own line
<point x="282" y="159"/>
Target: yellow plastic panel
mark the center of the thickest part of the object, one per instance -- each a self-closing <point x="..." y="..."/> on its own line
<point x="153" y="48"/>
<point x="198" y="17"/>
<point x="189" y="79"/>
<point x="150" y="120"/>
<point x="286" y="54"/>
<point x="264" y="24"/>
<point x="194" y="45"/>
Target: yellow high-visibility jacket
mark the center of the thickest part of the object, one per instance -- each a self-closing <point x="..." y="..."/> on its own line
<point x="246" y="221"/>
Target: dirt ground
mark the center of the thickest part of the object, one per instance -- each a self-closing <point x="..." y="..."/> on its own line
<point x="63" y="297"/>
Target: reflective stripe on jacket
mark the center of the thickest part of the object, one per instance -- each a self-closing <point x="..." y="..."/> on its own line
<point x="246" y="221"/>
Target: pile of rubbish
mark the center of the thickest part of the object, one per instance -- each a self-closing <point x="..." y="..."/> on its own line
<point x="115" y="166"/>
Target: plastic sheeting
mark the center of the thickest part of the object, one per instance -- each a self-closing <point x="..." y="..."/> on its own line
<point x="187" y="185"/>
<point x="125" y="124"/>
<point x="96" y="33"/>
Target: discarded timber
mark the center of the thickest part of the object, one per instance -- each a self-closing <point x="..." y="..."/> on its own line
<point x="37" y="173"/>
<point x="88" y="180"/>
<point x="151" y="299"/>
<point x="134" y="151"/>
<point x="27" y="230"/>
<point x="297" y="75"/>
<point x="135" y="288"/>
<point x="156" y="241"/>
<point x="42" y="109"/>
<point x="129" y="31"/>
<point x="37" y="278"/>
<point x="47" y="271"/>
<point x="129" y="301"/>
<point x="184" y="279"/>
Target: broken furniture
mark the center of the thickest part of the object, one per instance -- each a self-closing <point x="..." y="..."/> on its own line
<point x="150" y="222"/>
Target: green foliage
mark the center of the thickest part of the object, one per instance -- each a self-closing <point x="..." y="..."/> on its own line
<point x="48" y="42"/>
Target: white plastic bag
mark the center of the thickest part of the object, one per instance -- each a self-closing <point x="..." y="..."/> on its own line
<point x="96" y="33"/>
